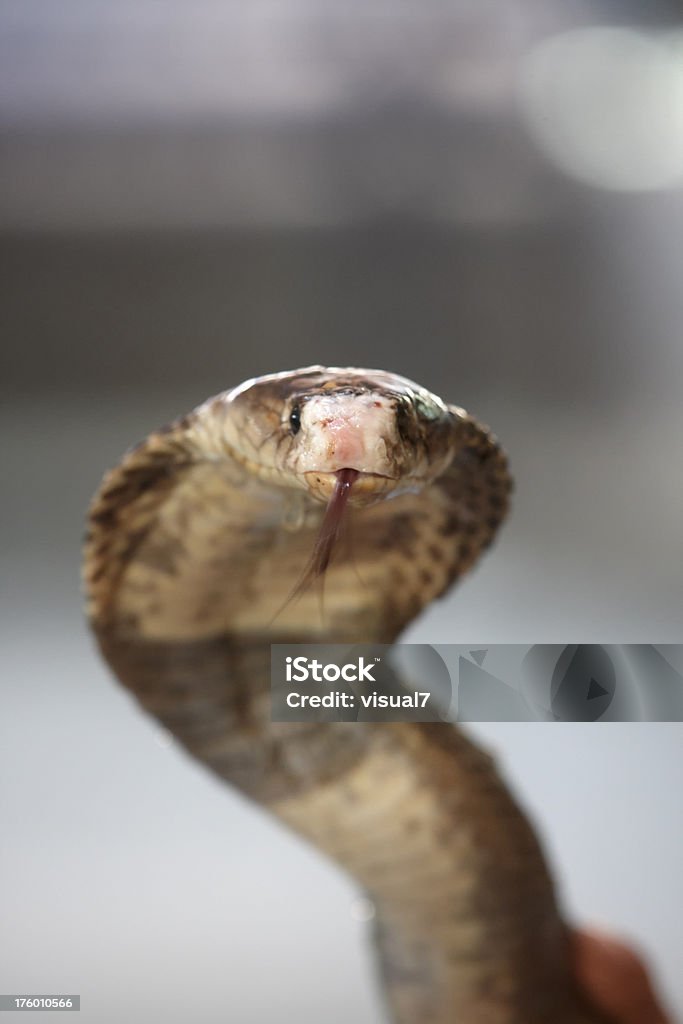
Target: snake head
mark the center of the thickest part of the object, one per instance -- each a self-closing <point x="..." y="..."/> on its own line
<point x="303" y="428"/>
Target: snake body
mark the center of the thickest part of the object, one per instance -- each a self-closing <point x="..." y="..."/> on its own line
<point x="195" y="541"/>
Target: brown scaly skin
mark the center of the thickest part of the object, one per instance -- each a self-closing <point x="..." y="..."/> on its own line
<point x="195" y="540"/>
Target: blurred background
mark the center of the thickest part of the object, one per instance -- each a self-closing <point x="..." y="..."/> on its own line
<point x="484" y="195"/>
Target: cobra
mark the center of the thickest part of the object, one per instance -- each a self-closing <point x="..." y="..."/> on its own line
<point x="205" y="545"/>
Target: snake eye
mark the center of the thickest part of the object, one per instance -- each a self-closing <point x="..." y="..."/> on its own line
<point x="295" y="419"/>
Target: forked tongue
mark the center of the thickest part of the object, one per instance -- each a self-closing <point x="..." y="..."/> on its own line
<point x="330" y="529"/>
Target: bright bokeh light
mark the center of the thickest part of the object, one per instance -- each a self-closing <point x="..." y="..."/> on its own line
<point x="606" y="106"/>
<point x="362" y="909"/>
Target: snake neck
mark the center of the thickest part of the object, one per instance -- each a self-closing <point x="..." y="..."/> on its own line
<point x="467" y="924"/>
<point x="468" y="929"/>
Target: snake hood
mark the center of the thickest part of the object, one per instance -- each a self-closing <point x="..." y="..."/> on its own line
<point x="300" y="428"/>
<point x="207" y="524"/>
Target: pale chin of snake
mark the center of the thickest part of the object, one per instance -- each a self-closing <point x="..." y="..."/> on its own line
<point x="195" y="540"/>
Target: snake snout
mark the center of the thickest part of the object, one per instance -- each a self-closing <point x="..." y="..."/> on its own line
<point x="345" y="441"/>
<point x="347" y="432"/>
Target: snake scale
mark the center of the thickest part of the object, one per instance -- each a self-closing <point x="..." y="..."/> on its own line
<point x="195" y="541"/>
